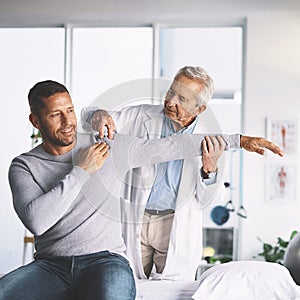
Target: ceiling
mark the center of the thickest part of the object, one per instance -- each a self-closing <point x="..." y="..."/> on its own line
<point x="56" y="12"/>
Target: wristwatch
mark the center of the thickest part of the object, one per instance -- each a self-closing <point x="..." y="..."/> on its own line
<point x="209" y="175"/>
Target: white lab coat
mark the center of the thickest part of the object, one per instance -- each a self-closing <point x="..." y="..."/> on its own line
<point x="185" y="246"/>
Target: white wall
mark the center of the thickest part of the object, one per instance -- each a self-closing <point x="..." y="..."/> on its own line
<point x="18" y="71"/>
<point x="272" y="89"/>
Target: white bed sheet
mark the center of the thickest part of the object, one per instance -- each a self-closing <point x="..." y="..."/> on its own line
<point x="247" y="280"/>
<point x="166" y="289"/>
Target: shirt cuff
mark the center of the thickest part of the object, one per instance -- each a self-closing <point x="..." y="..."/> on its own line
<point x="211" y="179"/>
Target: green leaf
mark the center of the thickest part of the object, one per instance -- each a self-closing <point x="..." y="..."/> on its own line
<point x="293" y="234"/>
<point x="281" y="254"/>
<point x="275" y="249"/>
<point x="282" y="243"/>
<point x="267" y="248"/>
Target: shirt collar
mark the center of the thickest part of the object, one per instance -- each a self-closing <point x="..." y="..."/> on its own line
<point x="168" y="127"/>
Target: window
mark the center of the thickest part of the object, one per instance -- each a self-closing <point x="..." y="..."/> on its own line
<point x="105" y="57"/>
<point x="27" y="55"/>
<point x="219" y="51"/>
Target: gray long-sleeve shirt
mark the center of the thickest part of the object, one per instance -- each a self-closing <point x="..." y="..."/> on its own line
<point x="73" y="213"/>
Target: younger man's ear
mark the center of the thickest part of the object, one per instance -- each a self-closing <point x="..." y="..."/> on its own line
<point x="34" y="120"/>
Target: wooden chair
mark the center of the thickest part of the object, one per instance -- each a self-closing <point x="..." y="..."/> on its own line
<point x="28" y="244"/>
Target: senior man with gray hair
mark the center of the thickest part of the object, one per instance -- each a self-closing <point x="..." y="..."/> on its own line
<point x="169" y="235"/>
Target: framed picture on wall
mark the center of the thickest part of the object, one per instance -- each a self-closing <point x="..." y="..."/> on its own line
<point x="284" y="133"/>
<point x="281" y="182"/>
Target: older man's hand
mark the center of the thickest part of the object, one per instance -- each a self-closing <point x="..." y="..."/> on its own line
<point x="102" y="121"/>
<point x="212" y="149"/>
<point x="258" y="145"/>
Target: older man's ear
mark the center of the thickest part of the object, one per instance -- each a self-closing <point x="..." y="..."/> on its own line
<point x="200" y="109"/>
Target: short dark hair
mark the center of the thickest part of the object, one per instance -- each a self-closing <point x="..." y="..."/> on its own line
<point x="42" y="90"/>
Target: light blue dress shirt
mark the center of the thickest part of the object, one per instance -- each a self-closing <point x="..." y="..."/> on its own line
<point x="165" y="188"/>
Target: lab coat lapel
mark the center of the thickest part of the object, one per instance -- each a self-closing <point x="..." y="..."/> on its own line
<point x="154" y="121"/>
<point x="188" y="176"/>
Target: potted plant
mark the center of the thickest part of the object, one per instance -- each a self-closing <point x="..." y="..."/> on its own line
<point x="275" y="253"/>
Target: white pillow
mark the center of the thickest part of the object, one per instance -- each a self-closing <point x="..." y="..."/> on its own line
<point x="247" y="280"/>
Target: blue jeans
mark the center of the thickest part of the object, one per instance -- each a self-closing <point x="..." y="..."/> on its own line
<point x="103" y="275"/>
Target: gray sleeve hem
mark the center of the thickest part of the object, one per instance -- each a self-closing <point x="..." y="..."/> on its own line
<point x="234" y="141"/>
